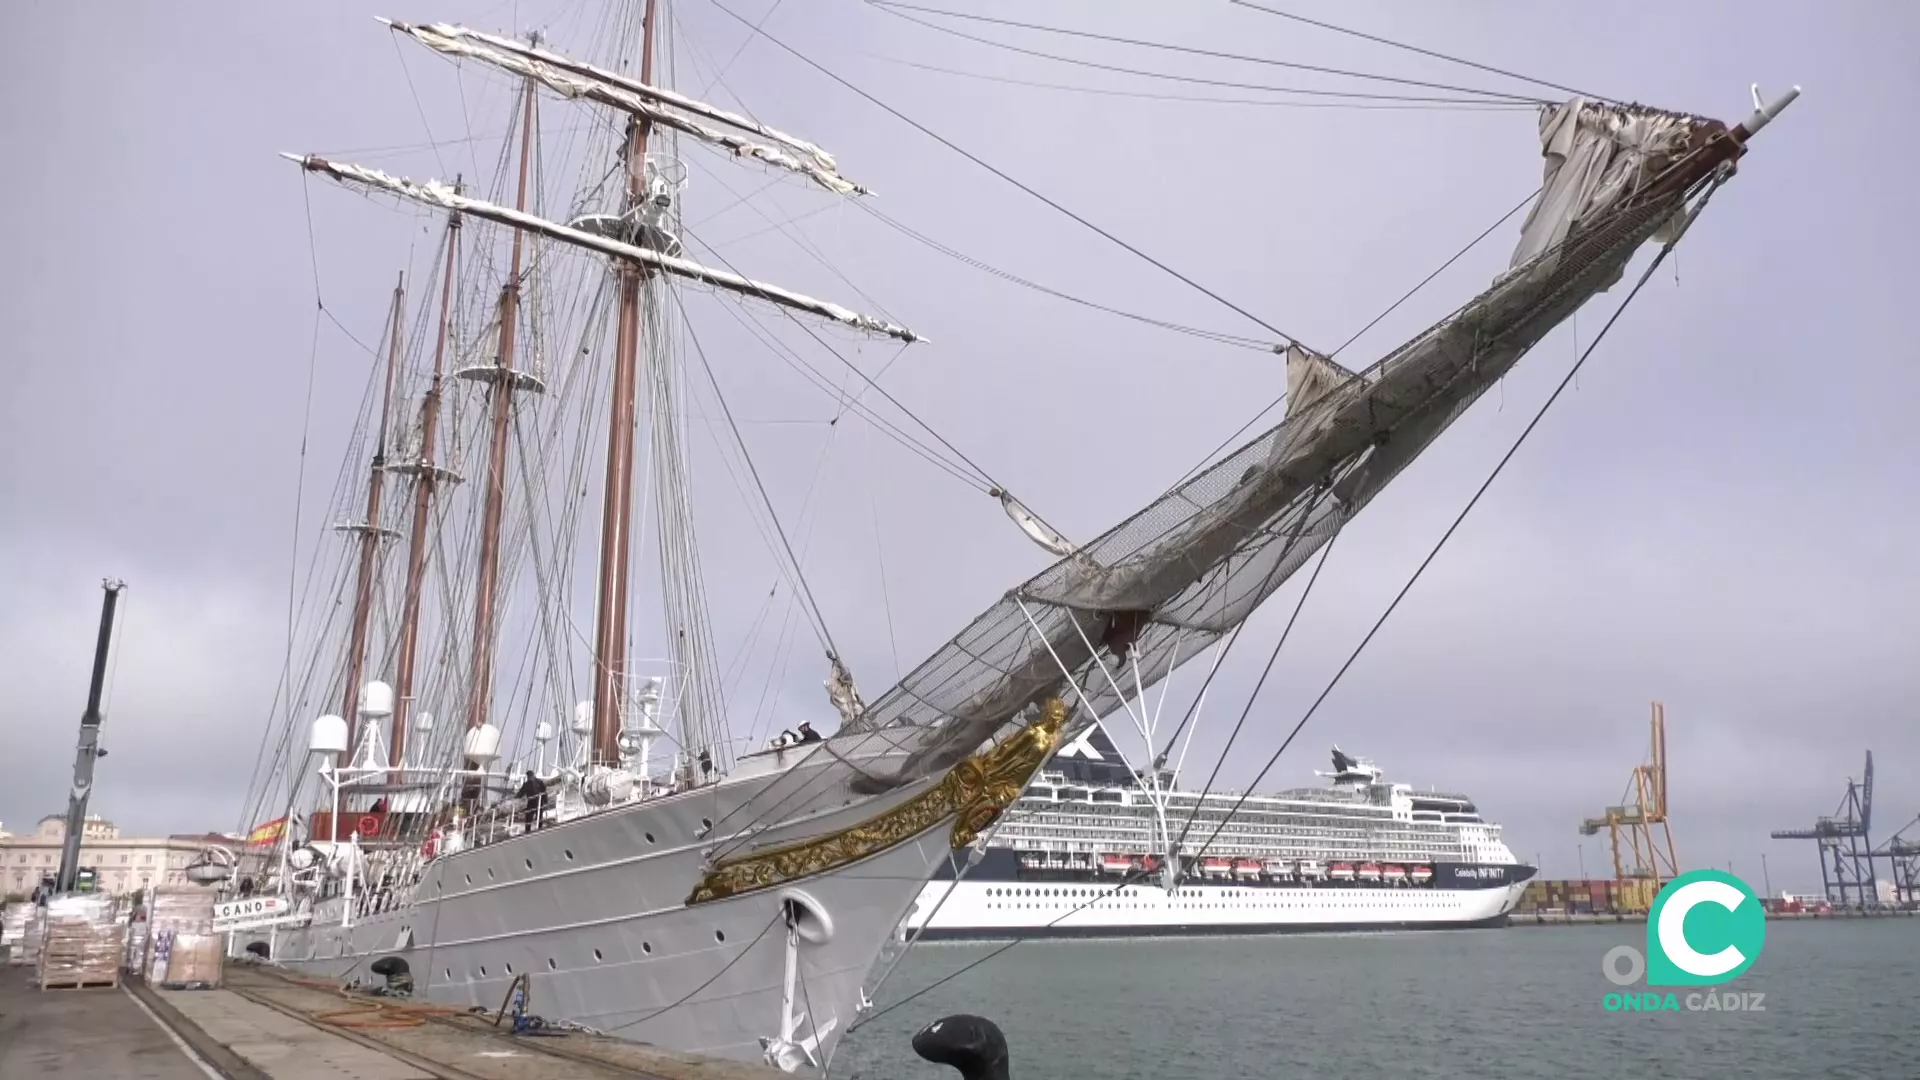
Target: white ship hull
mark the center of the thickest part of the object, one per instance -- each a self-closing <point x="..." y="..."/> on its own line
<point x="594" y="911"/>
<point x="985" y="910"/>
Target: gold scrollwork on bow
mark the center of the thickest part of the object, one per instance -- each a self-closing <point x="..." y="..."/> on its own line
<point x="974" y="793"/>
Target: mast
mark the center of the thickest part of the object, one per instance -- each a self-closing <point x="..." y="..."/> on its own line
<point x="616" y="541"/>
<point x="370" y="531"/>
<point x="426" y="479"/>
<point x="504" y="378"/>
<point x="89" y="750"/>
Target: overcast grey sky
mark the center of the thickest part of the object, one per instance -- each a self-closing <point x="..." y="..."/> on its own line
<point x="1721" y="516"/>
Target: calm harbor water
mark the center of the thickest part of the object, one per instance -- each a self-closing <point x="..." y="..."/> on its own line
<point x="1842" y="1002"/>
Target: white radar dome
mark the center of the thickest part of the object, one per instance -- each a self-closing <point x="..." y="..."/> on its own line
<point x="482" y="744"/>
<point x="376" y="699"/>
<point x="329" y="735"/>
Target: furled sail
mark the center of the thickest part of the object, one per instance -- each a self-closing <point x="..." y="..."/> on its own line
<point x="1158" y="588"/>
<point x="578" y="80"/>
<point x="446" y="197"/>
<point x="1594" y="156"/>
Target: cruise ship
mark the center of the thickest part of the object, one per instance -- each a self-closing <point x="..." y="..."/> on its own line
<point x="1084" y="854"/>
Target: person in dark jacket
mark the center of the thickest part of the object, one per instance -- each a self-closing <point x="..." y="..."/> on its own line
<point x="532" y="794"/>
<point x="807" y="734"/>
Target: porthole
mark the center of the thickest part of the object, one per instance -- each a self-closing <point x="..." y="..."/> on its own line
<point x="483" y="972"/>
<point x="596" y="954"/>
<point x="706" y="823"/>
<point x="550" y="964"/>
<point x="509" y="969"/>
<point x="719" y="935"/>
<point x="568" y="854"/>
<point x="489" y="873"/>
<point x="529" y="863"/>
<point x="469" y="878"/>
<point x="649" y="838"/>
<point x="449" y="973"/>
<point x="646" y="947"/>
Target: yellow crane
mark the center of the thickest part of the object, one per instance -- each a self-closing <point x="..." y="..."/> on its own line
<point x="1645" y="860"/>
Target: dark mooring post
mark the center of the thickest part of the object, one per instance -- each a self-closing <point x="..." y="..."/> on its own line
<point x="89" y="750"/>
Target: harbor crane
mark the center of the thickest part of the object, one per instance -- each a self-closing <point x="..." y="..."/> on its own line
<point x="1903" y="859"/>
<point x="1846" y="856"/>
<point x="1637" y="829"/>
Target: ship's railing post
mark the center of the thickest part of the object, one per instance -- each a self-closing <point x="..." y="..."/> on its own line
<point x="353" y="851"/>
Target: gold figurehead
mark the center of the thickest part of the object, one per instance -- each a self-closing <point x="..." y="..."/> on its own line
<point x="974" y="793"/>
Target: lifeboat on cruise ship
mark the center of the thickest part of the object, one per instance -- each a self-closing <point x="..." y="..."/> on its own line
<point x="1393" y="873"/>
<point x="1422" y="874"/>
<point x="1116" y="864"/>
<point x="1340" y="871"/>
<point x="1368" y="871"/>
<point x="1246" y="869"/>
<point x="1277" y="869"/>
<point x="1215" y="867"/>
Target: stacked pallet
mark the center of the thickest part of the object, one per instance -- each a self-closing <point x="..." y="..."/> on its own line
<point x="183" y="951"/>
<point x="84" y="946"/>
<point x="136" y="942"/>
<point x="27" y="949"/>
<point x="13" y="931"/>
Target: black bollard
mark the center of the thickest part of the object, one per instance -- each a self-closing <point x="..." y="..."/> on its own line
<point x="971" y="1044"/>
<point x="399" y="977"/>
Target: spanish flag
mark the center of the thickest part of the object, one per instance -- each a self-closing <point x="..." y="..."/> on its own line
<point x="267" y="835"/>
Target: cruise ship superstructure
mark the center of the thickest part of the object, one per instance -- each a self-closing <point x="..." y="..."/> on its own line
<point x="1079" y="856"/>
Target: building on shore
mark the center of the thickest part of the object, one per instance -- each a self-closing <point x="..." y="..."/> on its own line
<point x="121" y="865"/>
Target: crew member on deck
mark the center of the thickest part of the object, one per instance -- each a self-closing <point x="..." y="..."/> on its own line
<point x="533" y="796"/>
<point x="807" y="734"/>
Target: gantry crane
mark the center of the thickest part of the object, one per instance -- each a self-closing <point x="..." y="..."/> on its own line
<point x="1646" y="859"/>
<point x="1846" y="855"/>
<point x="1903" y="858"/>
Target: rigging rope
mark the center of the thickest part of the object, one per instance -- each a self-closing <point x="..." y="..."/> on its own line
<point x="1390" y="103"/>
<point x="930" y="133"/>
<point x="1241" y="801"/>
<point x="1209" y="335"/>
<point x="872" y="384"/>
<point x="1133" y="877"/>
<point x="1419" y="50"/>
<point x="799" y="577"/>
<point x="893" y="8"/>
<point x="1285" y="633"/>
<point x="1501" y="465"/>
<point x="1408" y="295"/>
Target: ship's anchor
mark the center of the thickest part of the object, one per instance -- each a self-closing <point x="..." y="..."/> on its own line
<point x="786" y="1052"/>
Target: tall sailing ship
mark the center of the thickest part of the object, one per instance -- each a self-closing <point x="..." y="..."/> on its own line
<point x="619" y="855"/>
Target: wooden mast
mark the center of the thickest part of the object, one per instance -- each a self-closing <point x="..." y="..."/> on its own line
<point x="503" y="377"/>
<point x="616" y="541"/>
<point x="370" y="531"/>
<point x="426" y="479"/>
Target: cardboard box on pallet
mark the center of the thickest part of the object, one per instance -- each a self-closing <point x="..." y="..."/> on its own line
<point x="83" y="944"/>
<point x="171" y="912"/>
<point x="185" y="961"/>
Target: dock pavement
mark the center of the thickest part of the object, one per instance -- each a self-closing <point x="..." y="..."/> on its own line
<point x="264" y="1025"/>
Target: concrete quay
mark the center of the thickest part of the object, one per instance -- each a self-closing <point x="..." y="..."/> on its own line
<point x="263" y="1025"/>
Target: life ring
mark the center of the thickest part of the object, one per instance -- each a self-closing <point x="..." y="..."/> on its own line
<point x="368" y="825"/>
